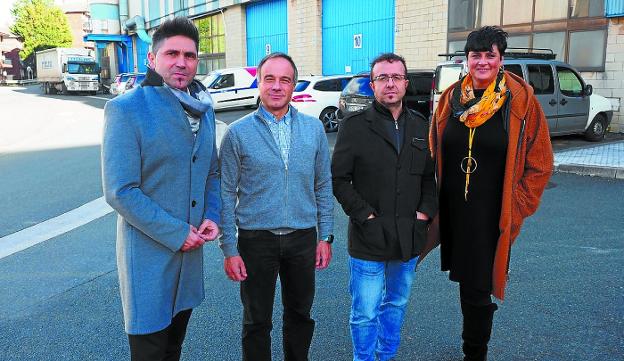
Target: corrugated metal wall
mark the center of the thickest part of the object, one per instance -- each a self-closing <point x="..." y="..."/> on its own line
<point x="344" y="19"/>
<point x="267" y="27"/>
<point x="614" y="8"/>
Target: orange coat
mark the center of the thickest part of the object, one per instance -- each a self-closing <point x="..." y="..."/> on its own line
<point x="529" y="164"/>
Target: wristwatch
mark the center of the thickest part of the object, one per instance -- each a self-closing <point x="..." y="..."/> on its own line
<point x="330" y="239"/>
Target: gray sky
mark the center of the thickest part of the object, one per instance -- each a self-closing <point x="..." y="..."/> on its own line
<point x="5" y="12"/>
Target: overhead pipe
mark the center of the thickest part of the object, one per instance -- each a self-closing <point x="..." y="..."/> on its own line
<point x="137" y="24"/>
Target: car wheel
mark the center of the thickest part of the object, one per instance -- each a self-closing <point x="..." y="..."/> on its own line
<point x="597" y="129"/>
<point x="329" y="119"/>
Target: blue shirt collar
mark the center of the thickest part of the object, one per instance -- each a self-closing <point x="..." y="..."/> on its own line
<point x="268" y="116"/>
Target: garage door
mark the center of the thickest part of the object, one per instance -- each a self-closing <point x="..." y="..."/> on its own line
<point x="354" y="33"/>
<point x="267" y="29"/>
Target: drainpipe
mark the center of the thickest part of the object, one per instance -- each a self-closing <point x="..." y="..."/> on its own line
<point x="137" y="24"/>
<point x="123" y="14"/>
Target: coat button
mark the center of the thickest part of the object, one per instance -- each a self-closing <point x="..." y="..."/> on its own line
<point x="193" y="203"/>
<point x="194" y="158"/>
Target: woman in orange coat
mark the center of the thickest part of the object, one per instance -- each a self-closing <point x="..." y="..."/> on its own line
<point x="493" y="155"/>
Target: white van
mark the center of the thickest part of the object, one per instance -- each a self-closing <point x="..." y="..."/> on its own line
<point x="568" y="102"/>
<point x="233" y="87"/>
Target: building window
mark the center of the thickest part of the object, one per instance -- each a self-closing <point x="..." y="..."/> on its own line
<point x="560" y="25"/>
<point x="211" y="43"/>
<point x="517" y="12"/>
<point x="587" y="49"/>
<point x="518" y="41"/>
<point x="554" y="41"/>
<point x="587" y="8"/>
<point x="551" y="9"/>
<point x="489" y="12"/>
<point x="455" y="46"/>
<point x="461" y="14"/>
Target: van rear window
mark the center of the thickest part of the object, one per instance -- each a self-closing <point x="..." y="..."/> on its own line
<point x="359" y="86"/>
<point x="301" y="85"/>
<point x="446" y="75"/>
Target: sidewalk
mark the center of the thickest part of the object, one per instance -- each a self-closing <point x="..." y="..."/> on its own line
<point x="601" y="160"/>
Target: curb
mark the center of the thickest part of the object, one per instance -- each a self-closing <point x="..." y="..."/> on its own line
<point x="594" y="171"/>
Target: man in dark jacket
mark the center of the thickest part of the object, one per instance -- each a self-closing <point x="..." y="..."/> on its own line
<point x="383" y="176"/>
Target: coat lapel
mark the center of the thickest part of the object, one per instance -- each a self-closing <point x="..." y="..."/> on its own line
<point x="376" y="125"/>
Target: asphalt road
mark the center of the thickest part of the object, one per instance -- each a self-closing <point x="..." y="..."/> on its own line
<point x="59" y="300"/>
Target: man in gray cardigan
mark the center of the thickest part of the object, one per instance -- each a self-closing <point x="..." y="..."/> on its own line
<point x="160" y="173"/>
<point x="276" y="187"/>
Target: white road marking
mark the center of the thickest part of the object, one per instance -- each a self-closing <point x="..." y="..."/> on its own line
<point x="53" y="227"/>
<point x="96" y="97"/>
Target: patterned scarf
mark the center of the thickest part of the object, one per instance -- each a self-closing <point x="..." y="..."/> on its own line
<point x="473" y="112"/>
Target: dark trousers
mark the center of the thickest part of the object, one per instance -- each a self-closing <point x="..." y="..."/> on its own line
<point x="164" y="345"/>
<point x="266" y="256"/>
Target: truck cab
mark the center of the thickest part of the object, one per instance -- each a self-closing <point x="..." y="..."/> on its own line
<point x="67" y="70"/>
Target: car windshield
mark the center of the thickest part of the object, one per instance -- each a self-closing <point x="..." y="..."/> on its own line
<point x="301" y="85"/>
<point x="82" y="68"/>
<point x="447" y="75"/>
<point x="359" y="86"/>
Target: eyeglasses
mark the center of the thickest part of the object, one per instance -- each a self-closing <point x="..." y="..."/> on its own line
<point x="384" y="78"/>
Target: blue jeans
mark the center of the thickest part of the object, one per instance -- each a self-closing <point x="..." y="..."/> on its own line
<point x="379" y="295"/>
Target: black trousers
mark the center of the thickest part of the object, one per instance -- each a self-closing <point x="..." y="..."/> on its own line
<point x="266" y="256"/>
<point x="164" y="345"/>
<point x="474" y="296"/>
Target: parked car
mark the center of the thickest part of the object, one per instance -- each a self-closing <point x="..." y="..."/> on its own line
<point x="133" y="81"/>
<point x="233" y="87"/>
<point x="358" y="94"/>
<point x="119" y="84"/>
<point x="567" y="101"/>
<point x="318" y="96"/>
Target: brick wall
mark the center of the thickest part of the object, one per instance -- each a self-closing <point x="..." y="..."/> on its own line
<point x="305" y="38"/>
<point x="420" y="32"/>
<point x="235" y="36"/>
<point x="610" y="83"/>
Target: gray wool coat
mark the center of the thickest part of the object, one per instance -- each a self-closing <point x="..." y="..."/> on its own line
<point x="159" y="178"/>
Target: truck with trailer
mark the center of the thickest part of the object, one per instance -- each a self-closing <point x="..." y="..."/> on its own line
<point x="67" y="70"/>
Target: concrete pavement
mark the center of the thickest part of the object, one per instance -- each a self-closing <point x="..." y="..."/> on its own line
<point x="602" y="159"/>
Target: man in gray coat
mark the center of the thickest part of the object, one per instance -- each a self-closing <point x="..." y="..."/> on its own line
<point x="276" y="187"/>
<point x="160" y="173"/>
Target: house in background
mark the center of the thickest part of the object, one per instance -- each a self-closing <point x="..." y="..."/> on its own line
<point x="11" y="67"/>
<point x="79" y="19"/>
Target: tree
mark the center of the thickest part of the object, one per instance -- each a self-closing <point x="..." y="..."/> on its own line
<point x="41" y="24"/>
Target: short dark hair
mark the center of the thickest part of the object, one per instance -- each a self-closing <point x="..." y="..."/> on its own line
<point x="390" y="58"/>
<point x="179" y="25"/>
<point x="273" y="56"/>
<point x="483" y="39"/>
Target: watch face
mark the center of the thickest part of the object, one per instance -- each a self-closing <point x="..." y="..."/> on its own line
<point x="330" y="239"/>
